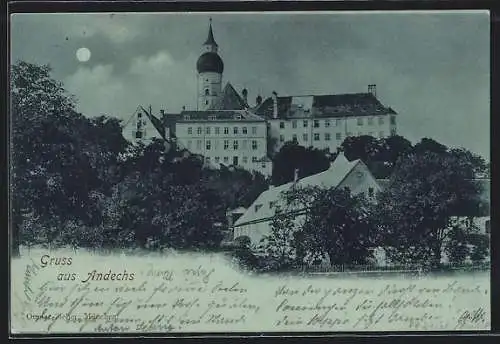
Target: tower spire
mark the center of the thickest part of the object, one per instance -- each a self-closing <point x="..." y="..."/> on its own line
<point x="210" y="68"/>
<point x="210" y="39"/>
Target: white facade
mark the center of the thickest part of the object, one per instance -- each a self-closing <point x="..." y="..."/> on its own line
<point x="240" y="143"/>
<point x="321" y="122"/>
<point x="256" y="222"/>
<point x="330" y="132"/>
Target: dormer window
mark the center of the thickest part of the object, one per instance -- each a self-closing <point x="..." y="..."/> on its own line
<point x="187" y="117"/>
<point x="212" y="117"/>
<point x="272" y="204"/>
<point x="207" y="92"/>
<point x="237" y="117"/>
<point x="257" y="207"/>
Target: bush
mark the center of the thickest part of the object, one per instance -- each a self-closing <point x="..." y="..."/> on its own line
<point x="245" y="259"/>
<point x="480" y="247"/>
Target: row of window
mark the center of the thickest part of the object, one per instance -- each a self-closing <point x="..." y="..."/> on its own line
<point x="327" y="122"/>
<point x="360" y="121"/>
<point x="213" y="144"/>
<point x="217" y="130"/>
<point x="225" y="159"/>
<point x="212" y="117"/>
<point x="327" y="136"/>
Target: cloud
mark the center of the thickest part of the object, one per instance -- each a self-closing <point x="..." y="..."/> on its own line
<point x="432" y="68"/>
<point x="157" y="80"/>
<point x="116" y="27"/>
<point x="160" y="62"/>
<point x="164" y="82"/>
<point x="97" y="90"/>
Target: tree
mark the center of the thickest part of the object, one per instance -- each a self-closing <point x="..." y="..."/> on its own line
<point x="427" y="145"/>
<point x="279" y="244"/>
<point x="425" y="191"/>
<point x="237" y="187"/>
<point x="337" y="225"/>
<point x="63" y="163"/>
<point x="476" y="163"/>
<point x="392" y="149"/>
<point x="363" y="147"/>
<point x="162" y="213"/>
<point x="43" y="117"/>
<point x="291" y="157"/>
<point x="380" y="155"/>
<point x="480" y="246"/>
<point x="243" y="241"/>
<point x="456" y="248"/>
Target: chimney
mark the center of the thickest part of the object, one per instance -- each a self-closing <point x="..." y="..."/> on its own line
<point x="296" y="175"/>
<point x="258" y="100"/>
<point x="244" y="93"/>
<point x="162" y="113"/>
<point x="275" y="104"/>
<point x="183" y="107"/>
<point x="372" y="88"/>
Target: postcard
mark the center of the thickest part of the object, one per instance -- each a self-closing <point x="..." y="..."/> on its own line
<point x="249" y="172"/>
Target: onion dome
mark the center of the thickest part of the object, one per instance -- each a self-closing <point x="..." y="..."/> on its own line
<point x="210" y="62"/>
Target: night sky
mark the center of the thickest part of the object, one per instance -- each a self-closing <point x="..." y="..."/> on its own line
<point x="433" y="68"/>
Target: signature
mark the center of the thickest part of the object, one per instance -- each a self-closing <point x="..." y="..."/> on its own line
<point x="477" y="316"/>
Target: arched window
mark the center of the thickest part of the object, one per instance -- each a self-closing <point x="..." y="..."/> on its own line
<point x="487" y="227"/>
<point x="206" y="92"/>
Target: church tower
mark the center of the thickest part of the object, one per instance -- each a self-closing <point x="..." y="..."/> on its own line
<point x="210" y="68"/>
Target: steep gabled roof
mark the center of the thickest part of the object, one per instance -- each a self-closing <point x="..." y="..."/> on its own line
<point x="159" y="126"/>
<point x="332" y="177"/>
<point x="230" y="100"/>
<point x="335" y="105"/>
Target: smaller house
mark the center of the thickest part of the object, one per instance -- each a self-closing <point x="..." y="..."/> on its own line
<point x="255" y="223"/>
<point x="141" y="127"/>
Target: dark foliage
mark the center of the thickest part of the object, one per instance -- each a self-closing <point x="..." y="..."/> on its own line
<point x="427" y="189"/>
<point x="291" y="157"/>
<point x="76" y="181"/>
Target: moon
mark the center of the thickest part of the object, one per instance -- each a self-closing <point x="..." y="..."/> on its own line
<point x="83" y="54"/>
